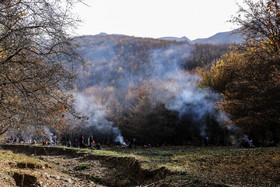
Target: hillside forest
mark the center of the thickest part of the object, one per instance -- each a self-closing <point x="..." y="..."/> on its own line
<point x="148" y="89"/>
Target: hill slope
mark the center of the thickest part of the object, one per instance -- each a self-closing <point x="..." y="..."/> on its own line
<point x="112" y="59"/>
<point x="221" y="38"/>
<point x="184" y="38"/>
<point x="137" y="84"/>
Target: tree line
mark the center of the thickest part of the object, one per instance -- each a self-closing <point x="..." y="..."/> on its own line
<point x="248" y="76"/>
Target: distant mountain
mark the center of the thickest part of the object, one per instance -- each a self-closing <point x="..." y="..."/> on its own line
<point x="229" y="37"/>
<point x="182" y="39"/>
<point x="221" y="38"/>
<point x="103" y="33"/>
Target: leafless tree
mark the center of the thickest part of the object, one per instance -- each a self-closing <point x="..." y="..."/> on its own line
<point x="37" y="58"/>
<point x="260" y="23"/>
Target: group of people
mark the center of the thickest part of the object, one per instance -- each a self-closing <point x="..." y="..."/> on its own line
<point x="132" y="142"/>
<point x="50" y="141"/>
<point x="12" y="139"/>
<point x="246" y="142"/>
<point x="21" y="140"/>
<point x="90" y="142"/>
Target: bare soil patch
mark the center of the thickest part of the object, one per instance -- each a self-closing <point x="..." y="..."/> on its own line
<point x="24" y="171"/>
<point x="95" y="169"/>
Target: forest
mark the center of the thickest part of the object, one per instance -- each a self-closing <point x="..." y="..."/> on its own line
<point x="141" y="88"/>
<point x="168" y="92"/>
<point x="117" y="87"/>
<point x="117" y="110"/>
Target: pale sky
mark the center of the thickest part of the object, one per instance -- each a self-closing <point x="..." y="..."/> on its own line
<point x="157" y="18"/>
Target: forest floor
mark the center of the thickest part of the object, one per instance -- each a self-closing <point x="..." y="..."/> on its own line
<point x="163" y="166"/>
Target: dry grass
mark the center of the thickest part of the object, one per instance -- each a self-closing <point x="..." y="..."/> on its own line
<point x="195" y="166"/>
<point x="22" y="170"/>
<point x="14" y="163"/>
<point x="223" y="165"/>
<point x="19" y="158"/>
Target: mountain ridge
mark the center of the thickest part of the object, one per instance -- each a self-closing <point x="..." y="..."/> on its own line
<point x="228" y="37"/>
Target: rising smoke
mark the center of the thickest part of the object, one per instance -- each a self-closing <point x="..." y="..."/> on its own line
<point x="109" y="78"/>
<point x="96" y="112"/>
<point x="183" y="94"/>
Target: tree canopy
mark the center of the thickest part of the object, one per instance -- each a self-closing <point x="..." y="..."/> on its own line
<point x="34" y="45"/>
<point x="248" y="77"/>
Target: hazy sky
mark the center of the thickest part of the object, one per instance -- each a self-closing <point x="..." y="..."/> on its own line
<point x="157" y="18"/>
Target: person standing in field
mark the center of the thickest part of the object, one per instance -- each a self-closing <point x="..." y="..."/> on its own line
<point x="82" y="141"/>
<point x="54" y="139"/>
<point x="90" y="141"/>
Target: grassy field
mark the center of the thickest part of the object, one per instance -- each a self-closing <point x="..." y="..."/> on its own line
<point x="223" y="165"/>
<point x="189" y="166"/>
<point x="219" y="165"/>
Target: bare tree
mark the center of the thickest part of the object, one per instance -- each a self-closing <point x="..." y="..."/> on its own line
<point x="260" y="23"/>
<point x="36" y="62"/>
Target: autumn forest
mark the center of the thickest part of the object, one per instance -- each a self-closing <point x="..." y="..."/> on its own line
<point x="118" y="110"/>
<point x="117" y="87"/>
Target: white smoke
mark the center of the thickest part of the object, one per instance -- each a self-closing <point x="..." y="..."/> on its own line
<point x="179" y="90"/>
<point x="48" y="133"/>
<point x="96" y="112"/>
<point x="174" y="87"/>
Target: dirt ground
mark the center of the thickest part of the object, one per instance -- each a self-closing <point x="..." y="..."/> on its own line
<point x="27" y="174"/>
<point x="69" y="167"/>
<point x="103" y="171"/>
<point x="118" y="172"/>
<point x="164" y="166"/>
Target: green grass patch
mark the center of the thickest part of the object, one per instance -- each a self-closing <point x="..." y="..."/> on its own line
<point x="21" y="159"/>
<point x="82" y="166"/>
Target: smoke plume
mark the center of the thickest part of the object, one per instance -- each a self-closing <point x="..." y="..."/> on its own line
<point x="107" y="83"/>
